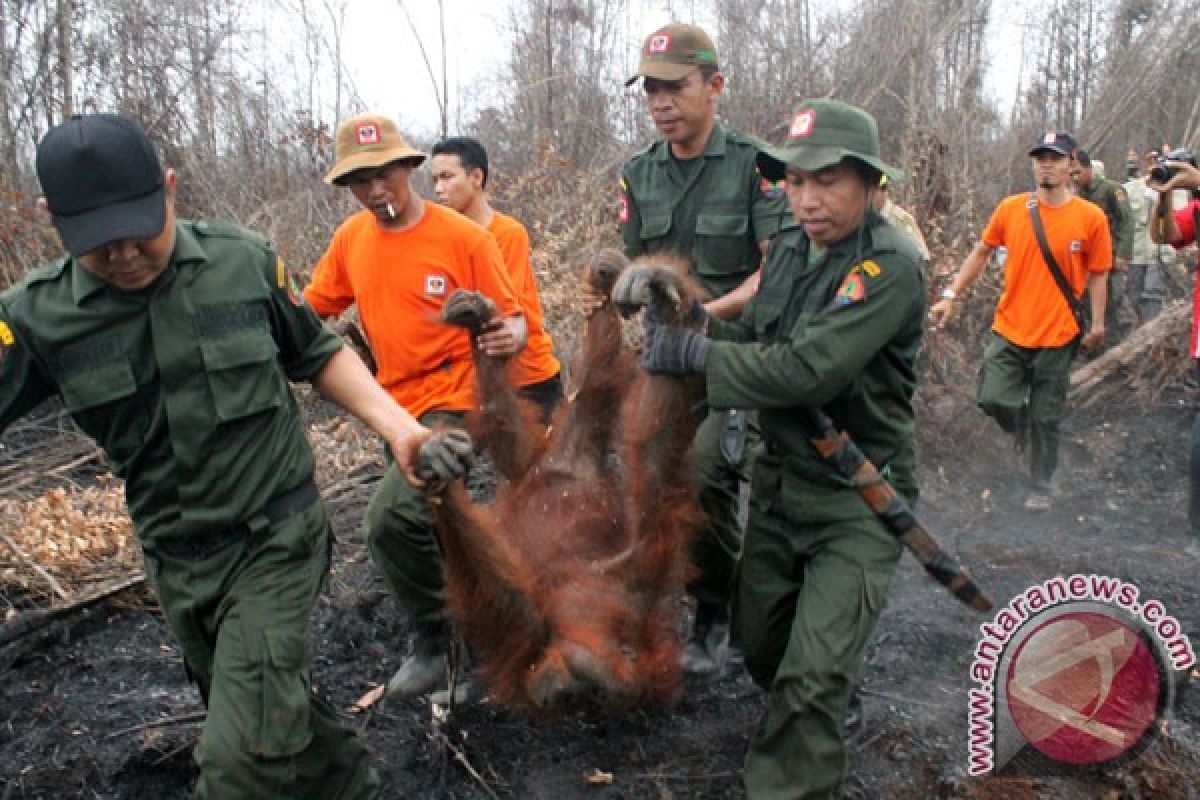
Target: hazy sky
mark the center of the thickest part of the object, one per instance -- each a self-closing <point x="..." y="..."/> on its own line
<point x="387" y="69"/>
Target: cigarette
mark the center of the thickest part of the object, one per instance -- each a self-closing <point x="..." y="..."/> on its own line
<point x="391" y="212"/>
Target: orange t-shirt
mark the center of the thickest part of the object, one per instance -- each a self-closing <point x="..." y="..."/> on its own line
<point x="536" y="362"/>
<point x="1032" y="311"/>
<point x="400" y="279"/>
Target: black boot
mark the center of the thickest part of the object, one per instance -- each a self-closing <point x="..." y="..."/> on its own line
<point x="426" y="668"/>
<point x="707" y="650"/>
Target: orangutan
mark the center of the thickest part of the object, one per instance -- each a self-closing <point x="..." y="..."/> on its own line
<point x="566" y="587"/>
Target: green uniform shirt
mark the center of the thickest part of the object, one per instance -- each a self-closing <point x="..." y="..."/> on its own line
<point x="183" y="384"/>
<point x="1111" y="198"/>
<point x="840" y="334"/>
<point x="715" y="212"/>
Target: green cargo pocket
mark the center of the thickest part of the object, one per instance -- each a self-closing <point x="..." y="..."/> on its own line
<point x="285" y="701"/>
<point x="101" y="400"/>
<point x="242" y="376"/>
<point x="721" y="246"/>
<point x="654" y="226"/>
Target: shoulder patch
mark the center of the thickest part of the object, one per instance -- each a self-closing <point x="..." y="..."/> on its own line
<point x="7" y="340"/>
<point x="286" y="281"/>
<point x="771" y="191"/>
<point x="853" y="290"/>
<point x="871" y="268"/>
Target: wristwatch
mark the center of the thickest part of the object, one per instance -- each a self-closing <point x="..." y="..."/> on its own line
<point x="949" y="294"/>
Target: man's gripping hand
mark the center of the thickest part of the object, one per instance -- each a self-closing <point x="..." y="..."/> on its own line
<point x="444" y="458"/>
<point x="674" y="351"/>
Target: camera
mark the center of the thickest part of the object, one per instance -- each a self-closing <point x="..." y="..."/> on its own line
<point x="1162" y="172"/>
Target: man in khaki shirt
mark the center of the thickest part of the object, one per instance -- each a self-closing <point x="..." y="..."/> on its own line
<point x="897" y="216"/>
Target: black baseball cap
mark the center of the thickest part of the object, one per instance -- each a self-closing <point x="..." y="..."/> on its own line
<point x="1059" y="142"/>
<point x="102" y="181"/>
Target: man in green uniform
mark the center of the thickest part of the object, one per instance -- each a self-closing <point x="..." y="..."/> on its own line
<point x="836" y="325"/>
<point x="696" y="192"/>
<point x="171" y="343"/>
<point x="1114" y="202"/>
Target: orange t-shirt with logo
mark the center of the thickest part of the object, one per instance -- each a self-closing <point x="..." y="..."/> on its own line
<point x="400" y="280"/>
<point x="1032" y="311"/>
<point x="536" y="362"/>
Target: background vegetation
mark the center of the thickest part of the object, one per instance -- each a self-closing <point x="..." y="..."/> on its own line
<point x="249" y="122"/>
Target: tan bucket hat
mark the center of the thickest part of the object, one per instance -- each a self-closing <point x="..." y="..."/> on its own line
<point x="368" y="141"/>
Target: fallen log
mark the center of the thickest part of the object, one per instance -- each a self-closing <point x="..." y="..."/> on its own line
<point x="30" y="621"/>
<point x="1153" y="355"/>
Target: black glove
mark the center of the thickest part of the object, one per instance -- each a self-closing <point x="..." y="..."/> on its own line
<point x="445" y="457"/>
<point x="674" y="351"/>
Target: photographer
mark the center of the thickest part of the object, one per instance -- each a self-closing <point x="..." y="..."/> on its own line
<point x="1177" y="227"/>
<point x="1167" y="225"/>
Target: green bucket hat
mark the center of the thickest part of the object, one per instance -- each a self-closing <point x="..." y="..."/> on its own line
<point x="823" y="133"/>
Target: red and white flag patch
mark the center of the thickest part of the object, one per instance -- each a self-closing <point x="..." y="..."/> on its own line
<point x="435" y="285"/>
<point x="802" y="124"/>
<point x="659" y="43"/>
<point x="367" y="134"/>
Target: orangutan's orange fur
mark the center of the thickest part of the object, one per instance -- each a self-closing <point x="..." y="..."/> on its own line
<point x="566" y="587"/>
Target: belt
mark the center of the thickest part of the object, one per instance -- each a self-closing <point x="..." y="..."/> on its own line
<point x="277" y="509"/>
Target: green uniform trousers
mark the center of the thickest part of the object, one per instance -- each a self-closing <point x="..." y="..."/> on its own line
<point x="717" y="548"/>
<point x="1017" y="381"/>
<point x="242" y="617"/>
<point x="402" y="540"/>
<point x="808" y="597"/>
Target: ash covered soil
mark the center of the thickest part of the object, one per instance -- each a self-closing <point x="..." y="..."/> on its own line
<point x="99" y="707"/>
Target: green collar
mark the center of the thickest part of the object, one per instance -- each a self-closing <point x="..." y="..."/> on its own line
<point x="187" y="251"/>
<point x="715" y="147"/>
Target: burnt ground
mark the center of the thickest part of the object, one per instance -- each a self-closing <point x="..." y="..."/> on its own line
<point x="98" y="707"/>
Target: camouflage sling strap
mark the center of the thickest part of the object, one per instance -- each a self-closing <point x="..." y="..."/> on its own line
<point x="837" y="448"/>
